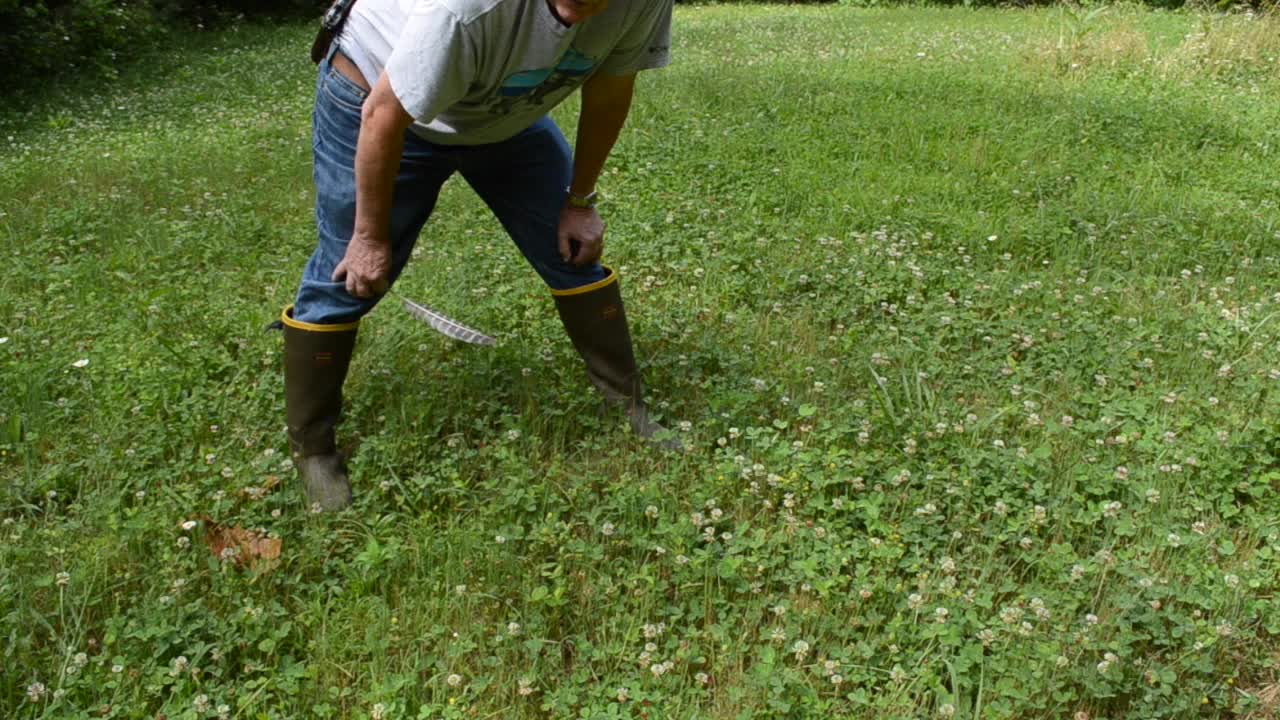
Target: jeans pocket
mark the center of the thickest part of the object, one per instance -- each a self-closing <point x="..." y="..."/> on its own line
<point x="342" y="90"/>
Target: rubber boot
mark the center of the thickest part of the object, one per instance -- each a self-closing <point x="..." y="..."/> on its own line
<point x="316" y="358"/>
<point x="594" y="317"/>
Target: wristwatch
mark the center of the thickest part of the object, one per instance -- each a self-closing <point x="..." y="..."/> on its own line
<point x="582" y="201"/>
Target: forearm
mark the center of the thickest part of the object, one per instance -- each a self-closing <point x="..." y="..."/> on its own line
<point x="606" y="101"/>
<point x="378" y="151"/>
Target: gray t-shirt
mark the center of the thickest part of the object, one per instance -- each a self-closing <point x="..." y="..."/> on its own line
<point x="480" y="71"/>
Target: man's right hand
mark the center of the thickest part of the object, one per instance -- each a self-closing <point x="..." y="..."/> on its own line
<point x="366" y="267"/>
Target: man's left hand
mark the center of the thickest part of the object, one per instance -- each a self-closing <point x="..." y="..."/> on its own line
<point x="581" y="236"/>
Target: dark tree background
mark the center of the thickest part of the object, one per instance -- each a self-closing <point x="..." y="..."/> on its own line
<point x="44" y="38"/>
<point x="51" y="38"/>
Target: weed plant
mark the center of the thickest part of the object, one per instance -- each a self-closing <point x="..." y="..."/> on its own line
<point x="971" y="320"/>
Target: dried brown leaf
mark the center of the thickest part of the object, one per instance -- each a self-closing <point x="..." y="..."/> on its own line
<point x="247" y="547"/>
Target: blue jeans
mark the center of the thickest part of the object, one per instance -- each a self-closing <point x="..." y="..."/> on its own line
<point x="523" y="180"/>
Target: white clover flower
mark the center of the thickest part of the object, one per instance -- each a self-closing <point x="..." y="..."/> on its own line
<point x="947" y="710"/>
<point x="513" y="628"/>
<point x="117" y="669"/>
<point x="201" y="704"/>
<point x="940" y="615"/>
<point x="1000" y="508"/>
<point x="1231" y="580"/>
<point x="778" y="635"/>
<point x="1122" y="472"/>
<point x="525" y="687"/>
<point x="800" y="649"/>
<point x="63" y="579"/>
<point x="1112" y="509"/>
<point x="654" y="630"/>
<point x="897" y="674"/>
<point x="658" y="669"/>
<point x="651" y="512"/>
<point x="1041" y="610"/>
<point x="378" y="711"/>
<point x="623" y="694"/>
<point x="454" y="680"/>
<point x="36" y="691"/>
<point x="926" y="510"/>
<point x="915" y="601"/>
<point x="986" y="636"/>
<point x="607" y="529"/>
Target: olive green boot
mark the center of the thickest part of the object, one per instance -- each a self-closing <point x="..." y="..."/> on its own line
<point x="316" y="358"/>
<point x="594" y="317"/>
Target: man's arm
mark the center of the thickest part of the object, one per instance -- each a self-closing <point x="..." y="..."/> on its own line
<point x="367" y="264"/>
<point x="606" y="101"/>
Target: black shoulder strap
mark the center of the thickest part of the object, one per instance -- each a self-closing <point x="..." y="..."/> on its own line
<point x="330" y="25"/>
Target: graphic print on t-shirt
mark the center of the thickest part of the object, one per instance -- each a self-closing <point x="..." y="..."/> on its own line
<point x="533" y="87"/>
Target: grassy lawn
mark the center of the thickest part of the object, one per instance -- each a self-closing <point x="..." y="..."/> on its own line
<point x="971" y="318"/>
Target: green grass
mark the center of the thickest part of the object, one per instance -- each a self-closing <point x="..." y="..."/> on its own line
<point x="971" y="311"/>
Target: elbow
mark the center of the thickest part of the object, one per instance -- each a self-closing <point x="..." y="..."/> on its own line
<point x="382" y="111"/>
<point x="389" y="117"/>
<point x="368" y="114"/>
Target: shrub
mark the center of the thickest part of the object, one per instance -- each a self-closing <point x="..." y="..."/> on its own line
<point x="50" y="38"/>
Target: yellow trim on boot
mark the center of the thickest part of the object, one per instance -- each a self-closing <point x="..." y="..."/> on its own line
<point x="597" y="285"/>
<point x="286" y="316"/>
